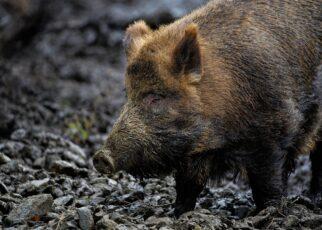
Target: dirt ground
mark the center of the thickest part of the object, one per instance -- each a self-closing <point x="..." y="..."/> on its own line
<point x="61" y="88"/>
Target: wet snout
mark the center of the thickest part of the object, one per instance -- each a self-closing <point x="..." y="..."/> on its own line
<point x="103" y="162"/>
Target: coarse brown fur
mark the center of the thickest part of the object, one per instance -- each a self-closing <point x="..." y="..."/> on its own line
<point x="232" y="86"/>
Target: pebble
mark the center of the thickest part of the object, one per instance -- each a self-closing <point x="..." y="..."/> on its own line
<point x="158" y="222"/>
<point x="70" y="156"/>
<point x="4" y="159"/>
<point x="3" y="188"/>
<point x="86" y="220"/>
<point x="18" y="134"/>
<point x="291" y="221"/>
<point x="64" y="167"/>
<point x="106" y="223"/>
<point x="32" y="206"/>
<point x="84" y="93"/>
<point x="33" y="187"/>
<point x="64" y="201"/>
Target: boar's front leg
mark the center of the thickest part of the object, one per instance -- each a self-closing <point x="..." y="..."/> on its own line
<point x="265" y="174"/>
<point x="190" y="181"/>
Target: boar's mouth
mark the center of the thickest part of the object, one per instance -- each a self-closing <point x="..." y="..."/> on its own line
<point x="150" y="169"/>
<point x="151" y="162"/>
<point x="143" y="164"/>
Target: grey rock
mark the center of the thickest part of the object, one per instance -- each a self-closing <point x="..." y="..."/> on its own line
<point x="76" y="149"/>
<point x="12" y="148"/>
<point x="64" y="201"/>
<point x="312" y="221"/>
<point x="158" y="222"/>
<point x="52" y="215"/>
<point x="40" y="162"/>
<point x="70" y="156"/>
<point x="12" y="167"/>
<point x="4" y="159"/>
<point x="166" y="228"/>
<point x="34" y="186"/>
<point x="64" y="167"/>
<point x="196" y="219"/>
<point x="40" y="183"/>
<point x="81" y="203"/>
<point x="291" y="221"/>
<point x="18" y="134"/>
<point x="68" y="220"/>
<point x="3" y="188"/>
<point x="86" y="220"/>
<point x="106" y="223"/>
<point x="12" y="197"/>
<point x="96" y="200"/>
<point x="32" y="206"/>
<point x="57" y="192"/>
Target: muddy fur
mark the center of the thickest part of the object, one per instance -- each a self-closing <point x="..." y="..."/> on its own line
<point x="232" y="86"/>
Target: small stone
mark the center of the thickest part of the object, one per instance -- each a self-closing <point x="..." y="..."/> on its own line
<point x="40" y="162"/>
<point x="32" y="206"/>
<point x="76" y="149"/>
<point x="70" y="156"/>
<point x="18" y="135"/>
<point x="64" y="167"/>
<point x="158" y="222"/>
<point x="81" y="203"/>
<point x="13" y="197"/>
<point x="86" y="220"/>
<point x="166" y="228"/>
<point x="33" y="187"/>
<point x="4" y="159"/>
<point x="40" y="183"/>
<point x="106" y="223"/>
<point x="3" y="188"/>
<point x="291" y="221"/>
<point x="97" y="200"/>
<point x="64" y="201"/>
<point x="52" y="216"/>
<point x="12" y="167"/>
<point x="312" y="221"/>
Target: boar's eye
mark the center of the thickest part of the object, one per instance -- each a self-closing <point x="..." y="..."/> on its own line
<point x="152" y="98"/>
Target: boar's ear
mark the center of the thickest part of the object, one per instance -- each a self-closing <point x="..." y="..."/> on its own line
<point x="134" y="35"/>
<point x="186" y="55"/>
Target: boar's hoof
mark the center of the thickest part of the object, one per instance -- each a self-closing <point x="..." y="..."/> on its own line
<point x="180" y="209"/>
<point x="103" y="162"/>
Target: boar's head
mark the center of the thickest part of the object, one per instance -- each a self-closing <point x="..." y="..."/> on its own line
<point x="162" y="120"/>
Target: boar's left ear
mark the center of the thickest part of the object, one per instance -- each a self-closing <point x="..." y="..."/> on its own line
<point x="134" y="35"/>
<point x="186" y="55"/>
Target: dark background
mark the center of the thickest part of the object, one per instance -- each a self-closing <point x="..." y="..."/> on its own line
<point x="61" y="88"/>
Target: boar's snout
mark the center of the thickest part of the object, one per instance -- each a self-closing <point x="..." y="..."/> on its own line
<point x="103" y="162"/>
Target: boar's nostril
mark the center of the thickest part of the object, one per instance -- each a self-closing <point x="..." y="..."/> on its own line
<point x="103" y="162"/>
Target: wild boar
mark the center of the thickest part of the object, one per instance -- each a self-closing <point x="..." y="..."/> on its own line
<point x="231" y="86"/>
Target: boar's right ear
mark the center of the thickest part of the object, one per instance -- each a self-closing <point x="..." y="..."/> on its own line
<point x="134" y="36"/>
<point x="186" y="55"/>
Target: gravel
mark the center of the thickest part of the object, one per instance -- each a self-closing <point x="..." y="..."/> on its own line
<point x="60" y="92"/>
<point x="32" y="208"/>
<point x="86" y="220"/>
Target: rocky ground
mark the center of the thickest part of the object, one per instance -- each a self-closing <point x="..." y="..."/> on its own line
<point x="61" y="81"/>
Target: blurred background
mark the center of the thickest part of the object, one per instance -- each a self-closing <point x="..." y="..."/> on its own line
<point x="62" y="62"/>
<point x="61" y="88"/>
